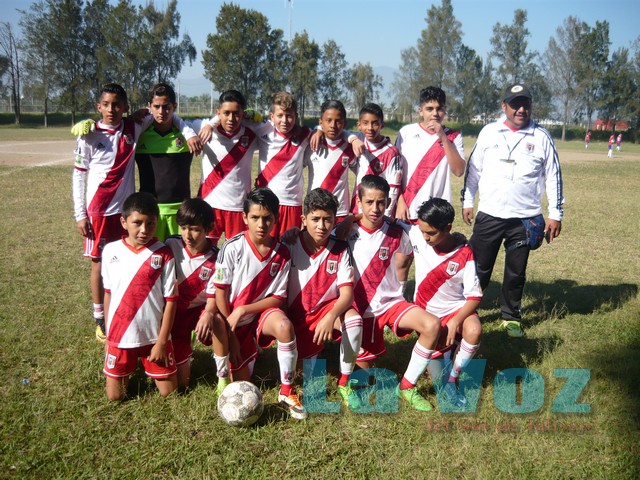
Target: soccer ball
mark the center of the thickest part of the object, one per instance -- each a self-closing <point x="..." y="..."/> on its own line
<point x="240" y="404"/>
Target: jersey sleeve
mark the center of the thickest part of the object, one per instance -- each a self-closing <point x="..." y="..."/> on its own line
<point x="459" y="144"/>
<point x="280" y="283"/>
<point x="553" y="186"/>
<point x="472" y="175"/>
<point x="405" y="243"/>
<point x="185" y="129"/>
<point x="346" y="275"/>
<point x="79" y="178"/>
<point x="169" y="282"/>
<point x="224" y="267"/>
<point x="471" y="284"/>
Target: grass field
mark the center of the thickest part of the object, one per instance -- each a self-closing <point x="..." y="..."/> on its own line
<point x="582" y="310"/>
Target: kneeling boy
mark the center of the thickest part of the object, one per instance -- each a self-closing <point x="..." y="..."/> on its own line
<point x="251" y="285"/>
<point x="138" y="273"/>
<point x="320" y="294"/>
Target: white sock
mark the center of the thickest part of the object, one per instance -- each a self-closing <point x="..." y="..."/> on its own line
<point x="464" y="354"/>
<point x="98" y="310"/>
<point x="350" y="343"/>
<point x="439" y="365"/>
<point x="222" y="366"/>
<point x="420" y="358"/>
<point x="287" y="358"/>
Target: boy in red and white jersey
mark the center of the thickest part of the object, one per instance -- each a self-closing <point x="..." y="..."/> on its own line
<point x="196" y="256"/>
<point x="320" y="293"/>
<point x="375" y="241"/>
<point x="226" y="164"/>
<point x="140" y="292"/>
<point x="447" y="286"/>
<point x="329" y="167"/>
<point x="251" y="285"/>
<point x="379" y="157"/>
<point x="103" y="177"/>
<point x="430" y="153"/>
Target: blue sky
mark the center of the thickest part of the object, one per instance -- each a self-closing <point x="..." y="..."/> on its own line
<point x="375" y="31"/>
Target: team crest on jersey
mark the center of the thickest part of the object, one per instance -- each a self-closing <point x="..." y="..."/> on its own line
<point x="452" y="268"/>
<point x="378" y="167"/>
<point x="111" y="361"/>
<point x="156" y="262"/>
<point x="244" y="140"/>
<point x="345" y="160"/>
<point x="205" y="274"/>
<point x="332" y="266"/>
<point x="128" y="139"/>
<point x="179" y="142"/>
<point x="274" y="269"/>
<point x="383" y="253"/>
<point x="530" y="147"/>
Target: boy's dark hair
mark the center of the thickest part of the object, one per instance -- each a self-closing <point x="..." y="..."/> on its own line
<point x="284" y="100"/>
<point x="433" y="93"/>
<point x="373" y="182"/>
<point x="437" y="212"/>
<point x="116" y="89"/>
<point x="373" y="109"/>
<point x="195" y="212"/>
<point x="141" y="202"/>
<point x="320" y="199"/>
<point x="233" y="96"/>
<point x="335" y="104"/>
<point x="162" y="90"/>
<point x="263" y="197"/>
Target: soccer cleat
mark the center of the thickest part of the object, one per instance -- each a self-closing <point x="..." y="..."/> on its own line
<point x="349" y="397"/>
<point x="293" y="405"/>
<point x="414" y="399"/>
<point x="453" y="396"/>
<point x="513" y="328"/>
<point x="100" y="336"/>
<point x="222" y="384"/>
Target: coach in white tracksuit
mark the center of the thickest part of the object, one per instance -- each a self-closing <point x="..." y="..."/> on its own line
<point x="512" y="163"/>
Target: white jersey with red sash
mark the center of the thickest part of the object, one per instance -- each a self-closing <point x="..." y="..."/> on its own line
<point x="226" y="168"/>
<point x="426" y="172"/>
<point x="249" y="276"/>
<point x="139" y="282"/>
<point x="194" y="274"/>
<point x="377" y="286"/>
<point x="444" y="281"/>
<point x="329" y="169"/>
<point x="316" y="278"/>
<point x="381" y="159"/>
<point x="282" y="162"/>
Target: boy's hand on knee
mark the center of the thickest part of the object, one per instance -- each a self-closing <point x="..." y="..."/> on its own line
<point x="324" y="329"/>
<point x="158" y="354"/>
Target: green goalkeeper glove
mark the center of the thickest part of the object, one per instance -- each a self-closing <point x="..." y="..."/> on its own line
<point x="83" y="127"/>
<point x="253" y="116"/>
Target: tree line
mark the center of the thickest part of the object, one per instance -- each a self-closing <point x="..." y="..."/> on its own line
<point x="65" y="50"/>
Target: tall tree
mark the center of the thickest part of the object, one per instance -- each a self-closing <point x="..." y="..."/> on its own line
<point x="488" y="93"/>
<point x="509" y="47"/>
<point x="236" y="54"/>
<point x="563" y="59"/>
<point x="438" y="46"/>
<point x="618" y="87"/>
<point x="304" y="54"/>
<point x="332" y="71"/>
<point x="364" y="84"/>
<point x="278" y="65"/>
<point x="406" y="83"/>
<point x="9" y="50"/>
<point x="468" y="73"/>
<point x="594" y="55"/>
<point x="634" y="101"/>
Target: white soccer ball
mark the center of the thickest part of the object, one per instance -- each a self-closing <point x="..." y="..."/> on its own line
<point x="240" y="404"/>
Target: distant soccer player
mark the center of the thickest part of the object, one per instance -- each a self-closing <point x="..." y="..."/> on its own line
<point x="430" y="153"/>
<point x="379" y="157"/>
<point x="251" y="286"/>
<point x="612" y="140"/>
<point x="196" y="256"/>
<point x="140" y="301"/>
<point x="618" y="142"/>
<point x="447" y="286"/>
<point x="587" y="139"/>
<point x="320" y="294"/>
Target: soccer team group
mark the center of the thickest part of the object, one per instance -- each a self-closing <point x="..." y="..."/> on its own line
<point x="295" y="270"/>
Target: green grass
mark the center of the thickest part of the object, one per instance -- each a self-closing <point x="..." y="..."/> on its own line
<point x="581" y="305"/>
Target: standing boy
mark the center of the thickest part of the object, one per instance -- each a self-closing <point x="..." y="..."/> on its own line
<point x="379" y="157"/>
<point x="251" y="286"/>
<point x="430" y="153"/>
<point x="140" y="292"/>
<point x="103" y="178"/>
<point x="320" y="294"/>
<point x="447" y="286"/>
<point x="329" y="168"/>
<point x="226" y="165"/>
<point x="164" y="159"/>
<point x="196" y="256"/>
<point x="612" y="140"/>
<point x="375" y="241"/>
<point x="618" y="142"/>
